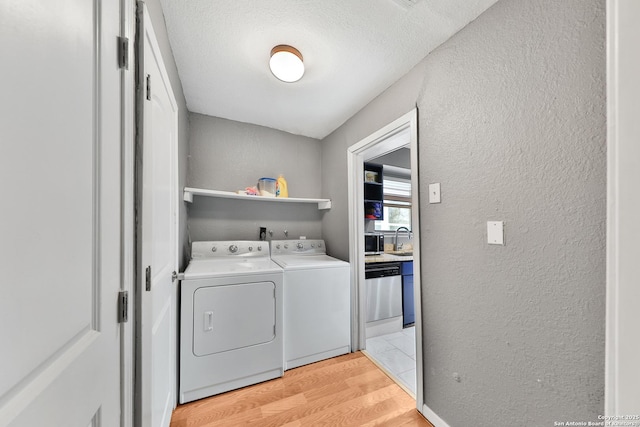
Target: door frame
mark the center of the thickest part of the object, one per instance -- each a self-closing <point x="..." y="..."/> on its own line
<point x="128" y="96"/>
<point x="622" y="373"/>
<point x="379" y="143"/>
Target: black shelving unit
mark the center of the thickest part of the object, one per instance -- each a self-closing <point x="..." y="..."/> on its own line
<point x="373" y="197"/>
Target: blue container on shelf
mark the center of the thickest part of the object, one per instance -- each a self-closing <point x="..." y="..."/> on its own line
<point x="267" y="187"/>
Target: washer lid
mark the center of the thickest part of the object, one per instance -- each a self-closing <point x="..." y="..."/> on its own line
<point x="203" y="268"/>
<point x="290" y="262"/>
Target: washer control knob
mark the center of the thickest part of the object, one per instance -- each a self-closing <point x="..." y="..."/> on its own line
<point x="300" y="245"/>
<point x="213" y="249"/>
<point x="278" y="246"/>
<point x="259" y="248"/>
<point x="313" y="246"/>
<point x="286" y="246"/>
<point x="250" y="248"/>
<point x="233" y="249"/>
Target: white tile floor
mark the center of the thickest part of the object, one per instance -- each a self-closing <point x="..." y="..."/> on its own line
<point x="397" y="353"/>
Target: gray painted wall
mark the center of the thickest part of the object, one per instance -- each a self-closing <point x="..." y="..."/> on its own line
<point x="229" y="155"/>
<point x="512" y="124"/>
<point x="160" y="28"/>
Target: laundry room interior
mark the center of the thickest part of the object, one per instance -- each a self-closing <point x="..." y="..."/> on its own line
<point x="362" y="212"/>
<point x="460" y="136"/>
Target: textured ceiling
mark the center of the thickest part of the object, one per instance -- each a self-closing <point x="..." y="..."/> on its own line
<point x="353" y="50"/>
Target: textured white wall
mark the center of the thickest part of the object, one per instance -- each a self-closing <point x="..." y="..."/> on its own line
<point x="229" y="155"/>
<point x="512" y="124"/>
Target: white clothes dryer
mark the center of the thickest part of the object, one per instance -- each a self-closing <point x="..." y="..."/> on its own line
<point x="230" y="318"/>
<point x="317" y="302"/>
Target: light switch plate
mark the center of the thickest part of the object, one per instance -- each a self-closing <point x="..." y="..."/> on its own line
<point x="434" y="193"/>
<point x="495" y="232"/>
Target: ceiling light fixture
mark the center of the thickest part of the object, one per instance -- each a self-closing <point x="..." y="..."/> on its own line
<point x="286" y="63"/>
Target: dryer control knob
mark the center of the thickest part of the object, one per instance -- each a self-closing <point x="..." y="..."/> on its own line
<point x="259" y="248"/>
<point x="313" y="246"/>
<point x="250" y="248"/>
<point x="213" y="249"/>
<point x="278" y="246"/>
<point x="300" y="245"/>
<point x="286" y="246"/>
<point x="233" y="249"/>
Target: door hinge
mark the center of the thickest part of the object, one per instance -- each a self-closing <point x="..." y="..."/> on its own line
<point x="148" y="278"/>
<point x="148" y="87"/>
<point x="123" y="53"/>
<point x="123" y="307"/>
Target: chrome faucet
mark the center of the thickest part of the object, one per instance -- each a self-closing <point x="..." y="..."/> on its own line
<point x="397" y="247"/>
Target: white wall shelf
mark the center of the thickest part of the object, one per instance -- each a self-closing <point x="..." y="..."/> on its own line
<point x="189" y="192"/>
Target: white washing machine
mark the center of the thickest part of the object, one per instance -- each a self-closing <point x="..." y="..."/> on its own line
<point x="230" y="318"/>
<point x="317" y="302"/>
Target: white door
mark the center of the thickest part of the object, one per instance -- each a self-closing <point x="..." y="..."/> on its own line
<point x="60" y="221"/>
<point x="158" y="296"/>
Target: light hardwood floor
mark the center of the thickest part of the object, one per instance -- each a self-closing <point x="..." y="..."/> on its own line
<point x="344" y="391"/>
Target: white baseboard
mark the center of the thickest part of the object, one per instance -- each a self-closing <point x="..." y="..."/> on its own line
<point x="432" y="417"/>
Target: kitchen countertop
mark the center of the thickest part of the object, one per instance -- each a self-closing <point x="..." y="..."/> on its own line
<point x="387" y="257"/>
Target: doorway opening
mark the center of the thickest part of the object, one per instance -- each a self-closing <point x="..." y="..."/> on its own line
<point x="390" y="314"/>
<point x="398" y="135"/>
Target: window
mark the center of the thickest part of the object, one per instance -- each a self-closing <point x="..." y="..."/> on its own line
<point x="396" y="205"/>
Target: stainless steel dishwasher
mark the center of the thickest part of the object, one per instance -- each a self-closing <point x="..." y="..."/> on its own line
<point x="383" y="284"/>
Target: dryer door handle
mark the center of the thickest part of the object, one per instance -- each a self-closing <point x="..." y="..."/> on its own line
<point x="208" y="321"/>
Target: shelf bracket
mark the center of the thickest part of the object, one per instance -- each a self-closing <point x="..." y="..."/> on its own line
<point x="324" y="204"/>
